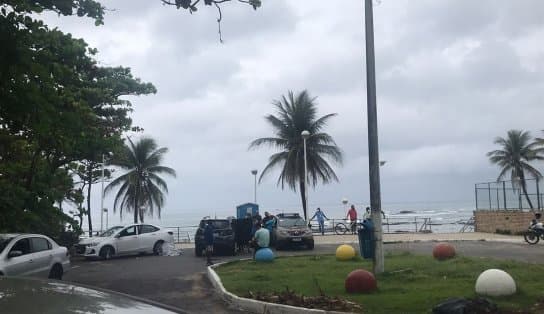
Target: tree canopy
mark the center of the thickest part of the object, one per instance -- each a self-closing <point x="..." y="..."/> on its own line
<point x="516" y="152"/>
<point x="57" y="107"/>
<point x="294" y="114"/>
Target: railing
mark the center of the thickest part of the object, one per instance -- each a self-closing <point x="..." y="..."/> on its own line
<point x="390" y="224"/>
<point x="183" y="234"/>
<point x="468" y="225"/>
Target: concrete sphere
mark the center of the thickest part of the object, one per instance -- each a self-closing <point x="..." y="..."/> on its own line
<point x="495" y="283"/>
<point x="360" y="281"/>
<point x="443" y="251"/>
<point x="345" y="252"/>
<point x="264" y="255"/>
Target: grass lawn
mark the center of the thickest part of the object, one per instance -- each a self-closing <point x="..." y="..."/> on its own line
<point x="422" y="283"/>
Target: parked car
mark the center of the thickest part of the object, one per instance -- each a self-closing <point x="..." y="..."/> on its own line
<point x="35" y="296"/>
<point x="292" y="230"/>
<point x="32" y="255"/>
<point x="223" y="236"/>
<point x="126" y="240"/>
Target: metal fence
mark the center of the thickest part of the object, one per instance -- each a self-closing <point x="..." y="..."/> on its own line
<point x="390" y="224"/>
<point x="183" y="234"/>
<point x="509" y="195"/>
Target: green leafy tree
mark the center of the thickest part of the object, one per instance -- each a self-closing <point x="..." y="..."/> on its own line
<point x="57" y="107"/>
<point x="296" y="113"/>
<point x="141" y="188"/>
<point x="516" y="151"/>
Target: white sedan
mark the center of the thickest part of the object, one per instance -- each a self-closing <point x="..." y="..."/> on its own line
<point x="32" y="255"/>
<point x="126" y="240"/>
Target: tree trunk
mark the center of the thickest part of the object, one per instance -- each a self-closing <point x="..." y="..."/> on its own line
<point x="136" y="195"/>
<point x="524" y="188"/>
<point x="32" y="170"/>
<point x="303" y="197"/>
<point x="90" y="178"/>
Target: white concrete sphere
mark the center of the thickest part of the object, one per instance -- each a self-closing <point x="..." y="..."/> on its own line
<point x="495" y="283"/>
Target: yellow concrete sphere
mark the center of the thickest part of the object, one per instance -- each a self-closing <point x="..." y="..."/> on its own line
<point x="345" y="252"/>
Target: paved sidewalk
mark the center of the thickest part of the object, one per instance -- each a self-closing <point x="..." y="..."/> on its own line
<point x="410" y="237"/>
<point x="424" y="237"/>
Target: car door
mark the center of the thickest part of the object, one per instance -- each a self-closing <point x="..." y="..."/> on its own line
<point x="128" y="241"/>
<point x="42" y="254"/>
<point x="20" y="265"/>
<point x="148" y="236"/>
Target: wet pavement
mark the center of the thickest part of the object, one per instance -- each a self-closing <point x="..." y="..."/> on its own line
<point x="180" y="281"/>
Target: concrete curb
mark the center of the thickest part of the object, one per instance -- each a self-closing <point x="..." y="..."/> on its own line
<point x="255" y="306"/>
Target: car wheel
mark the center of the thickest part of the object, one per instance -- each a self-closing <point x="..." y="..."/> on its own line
<point x="198" y="251"/>
<point x="56" y="272"/>
<point x="157" y="248"/>
<point x="107" y="252"/>
<point x="311" y="245"/>
<point x="232" y="250"/>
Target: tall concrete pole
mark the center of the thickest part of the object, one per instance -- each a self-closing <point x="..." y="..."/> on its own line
<point x="102" y="198"/>
<point x="373" y="155"/>
<point x="305" y="135"/>
<point x="254" y="173"/>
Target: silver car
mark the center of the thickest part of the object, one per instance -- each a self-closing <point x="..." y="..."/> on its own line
<point x="38" y="296"/>
<point x="32" y="255"/>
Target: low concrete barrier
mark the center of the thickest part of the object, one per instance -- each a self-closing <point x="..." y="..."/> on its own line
<point x="255" y="306"/>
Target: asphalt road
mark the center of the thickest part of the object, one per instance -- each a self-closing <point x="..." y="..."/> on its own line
<point x="180" y="281"/>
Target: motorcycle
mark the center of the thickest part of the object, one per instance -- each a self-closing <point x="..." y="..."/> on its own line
<point x="535" y="232"/>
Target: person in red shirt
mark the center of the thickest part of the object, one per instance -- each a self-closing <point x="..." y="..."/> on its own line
<point x="352" y="216"/>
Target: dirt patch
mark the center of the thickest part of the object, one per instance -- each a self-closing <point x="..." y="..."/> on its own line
<point x="321" y="302"/>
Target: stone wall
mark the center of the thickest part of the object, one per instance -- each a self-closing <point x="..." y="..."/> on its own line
<point x="507" y="221"/>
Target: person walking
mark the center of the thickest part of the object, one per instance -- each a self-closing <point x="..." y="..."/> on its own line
<point x="208" y="239"/>
<point x="261" y="239"/>
<point x="352" y="216"/>
<point x="320" y="215"/>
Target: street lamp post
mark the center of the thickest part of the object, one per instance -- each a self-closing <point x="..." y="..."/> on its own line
<point x="305" y="135"/>
<point x="254" y="173"/>
<point x="102" y="198"/>
<point x="105" y="210"/>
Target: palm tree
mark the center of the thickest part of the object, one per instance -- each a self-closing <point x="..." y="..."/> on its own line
<point x="141" y="187"/>
<point x="517" y="150"/>
<point x="296" y="113"/>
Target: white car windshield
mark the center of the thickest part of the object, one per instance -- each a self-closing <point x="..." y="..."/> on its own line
<point x="111" y="231"/>
<point x="4" y="241"/>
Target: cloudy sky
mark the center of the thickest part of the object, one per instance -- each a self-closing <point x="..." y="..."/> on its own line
<point x="451" y="76"/>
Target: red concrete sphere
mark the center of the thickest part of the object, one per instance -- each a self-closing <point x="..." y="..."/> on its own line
<point x="443" y="251"/>
<point x="359" y="281"/>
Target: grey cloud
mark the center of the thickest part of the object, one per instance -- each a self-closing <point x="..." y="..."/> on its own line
<point x="452" y="75"/>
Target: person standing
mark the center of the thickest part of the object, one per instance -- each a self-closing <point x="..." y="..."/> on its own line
<point x="269" y="221"/>
<point x="208" y="239"/>
<point x="352" y="216"/>
<point x="261" y="239"/>
<point x="320" y="215"/>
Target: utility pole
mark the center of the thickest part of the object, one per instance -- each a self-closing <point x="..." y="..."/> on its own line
<point x="373" y="156"/>
<point x="102" y="198"/>
<point x="254" y="173"/>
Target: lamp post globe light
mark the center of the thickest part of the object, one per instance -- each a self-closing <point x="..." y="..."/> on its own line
<point x="305" y="135"/>
<point x="254" y="173"/>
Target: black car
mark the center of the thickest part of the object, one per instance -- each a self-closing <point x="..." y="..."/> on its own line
<point x="223" y="237"/>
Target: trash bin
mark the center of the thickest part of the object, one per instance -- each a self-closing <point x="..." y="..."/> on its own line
<point x="366" y="239"/>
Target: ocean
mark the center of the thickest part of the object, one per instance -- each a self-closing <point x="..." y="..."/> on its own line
<point x="441" y="217"/>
